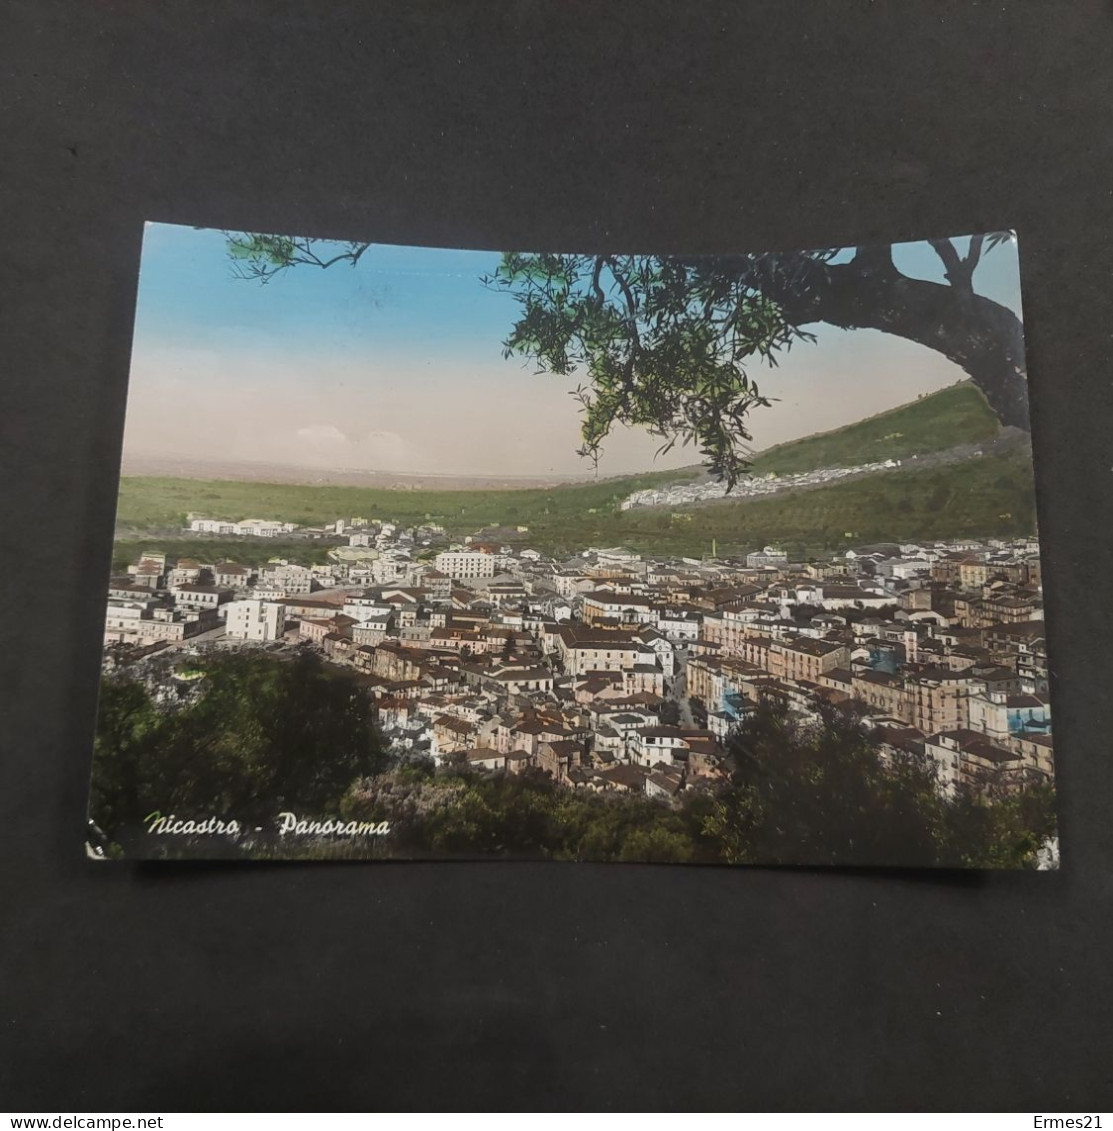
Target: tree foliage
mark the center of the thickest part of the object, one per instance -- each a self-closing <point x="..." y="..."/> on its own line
<point x="462" y="812"/>
<point x="260" y="257"/>
<point x="254" y="736"/>
<point x="821" y="794"/>
<point x="807" y="794"/>
<point x="801" y="793"/>
<point x="668" y="343"/>
<point x="665" y="345"/>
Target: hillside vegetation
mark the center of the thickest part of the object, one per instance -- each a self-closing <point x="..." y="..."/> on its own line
<point x="990" y="495"/>
<point x="953" y="416"/>
<point x="148" y="503"/>
<point x="266" y="730"/>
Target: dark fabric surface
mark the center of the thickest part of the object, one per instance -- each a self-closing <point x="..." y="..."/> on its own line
<point x="666" y="127"/>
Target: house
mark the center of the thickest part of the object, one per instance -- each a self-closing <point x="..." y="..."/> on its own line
<point x="558" y="757"/>
<point x="804" y="658"/>
<point x="190" y="595"/>
<point x="395" y="662"/>
<point x="517" y="681"/>
<point x="292" y="580"/>
<point x="624" y="779"/>
<point x="466" y="564"/>
<point x="769" y="558"/>
<point x="643" y="678"/>
<point x="664" y="783"/>
<point x="451" y="735"/>
<point x="625" y="608"/>
<point x="518" y="761"/>
<point x="260" y="621"/>
<point x="315" y="629"/>
<point x="211" y="526"/>
<point x="595" y="650"/>
<point x="371" y="630"/>
<point x="149" y="571"/>
<point x="338" y="646"/>
<point x="228" y="575"/>
<point x="964" y="758"/>
<point x="652" y="745"/>
<point x="483" y="758"/>
<point x="1000" y="715"/>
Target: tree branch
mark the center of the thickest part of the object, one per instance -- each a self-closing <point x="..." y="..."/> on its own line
<point x="981" y="336"/>
<point x="958" y="271"/>
<point x="974" y="255"/>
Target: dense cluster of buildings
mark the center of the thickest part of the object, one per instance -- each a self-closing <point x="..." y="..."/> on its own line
<point x="248" y="527"/>
<point x="680" y="494"/>
<point x="620" y="672"/>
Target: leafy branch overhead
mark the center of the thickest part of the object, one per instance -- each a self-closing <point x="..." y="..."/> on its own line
<point x="665" y="345"/>
<point x="259" y="257"/>
<point x="668" y="343"/>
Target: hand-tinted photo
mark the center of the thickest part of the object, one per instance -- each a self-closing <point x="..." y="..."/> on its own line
<point x="442" y="554"/>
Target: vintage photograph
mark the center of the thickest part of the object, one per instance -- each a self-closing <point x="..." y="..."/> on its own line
<point x="427" y="553"/>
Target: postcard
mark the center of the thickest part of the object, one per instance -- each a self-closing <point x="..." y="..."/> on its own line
<point x="429" y="554"/>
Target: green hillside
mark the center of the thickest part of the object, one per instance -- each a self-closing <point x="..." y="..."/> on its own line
<point x="955" y="415"/>
<point x="148" y="504"/>
<point x="988" y="496"/>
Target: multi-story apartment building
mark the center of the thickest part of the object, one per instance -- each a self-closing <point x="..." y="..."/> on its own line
<point x="462" y="564"/>
<point x="260" y="621"/>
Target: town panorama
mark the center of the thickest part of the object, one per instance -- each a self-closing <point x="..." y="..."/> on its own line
<point x="456" y="554"/>
<point x="618" y="672"/>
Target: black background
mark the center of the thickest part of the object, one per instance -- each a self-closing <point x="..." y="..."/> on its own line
<point x="575" y="125"/>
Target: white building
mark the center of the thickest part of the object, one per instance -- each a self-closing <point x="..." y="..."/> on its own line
<point x="212" y="526"/>
<point x="198" y="596"/>
<point x="386" y="569"/>
<point x="255" y="620"/>
<point x="124" y="619"/>
<point x="679" y="626"/>
<point x="770" y="556"/>
<point x="268" y="593"/>
<point x="264" y="528"/>
<point x="464" y="563"/>
<point x="292" y="579"/>
<point x="253" y="527"/>
<point x="366" y="608"/>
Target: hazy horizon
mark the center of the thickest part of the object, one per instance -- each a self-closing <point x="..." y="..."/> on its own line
<point x="395" y="368"/>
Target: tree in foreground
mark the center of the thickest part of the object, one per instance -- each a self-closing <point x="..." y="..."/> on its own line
<point x="802" y="793"/>
<point x="263" y="736"/>
<point x="667" y="342"/>
<point x="457" y="811"/>
<point x="821" y="794"/>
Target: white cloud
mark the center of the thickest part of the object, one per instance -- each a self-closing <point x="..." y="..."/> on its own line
<point x="322" y="436"/>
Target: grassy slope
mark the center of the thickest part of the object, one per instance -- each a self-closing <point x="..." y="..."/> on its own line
<point x="987" y="496"/>
<point x="955" y="415"/>
<point x="149" y="503"/>
<point x="990" y="496"/>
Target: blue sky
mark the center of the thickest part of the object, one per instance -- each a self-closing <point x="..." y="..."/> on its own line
<point x="394" y="298"/>
<point x="396" y="365"/>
